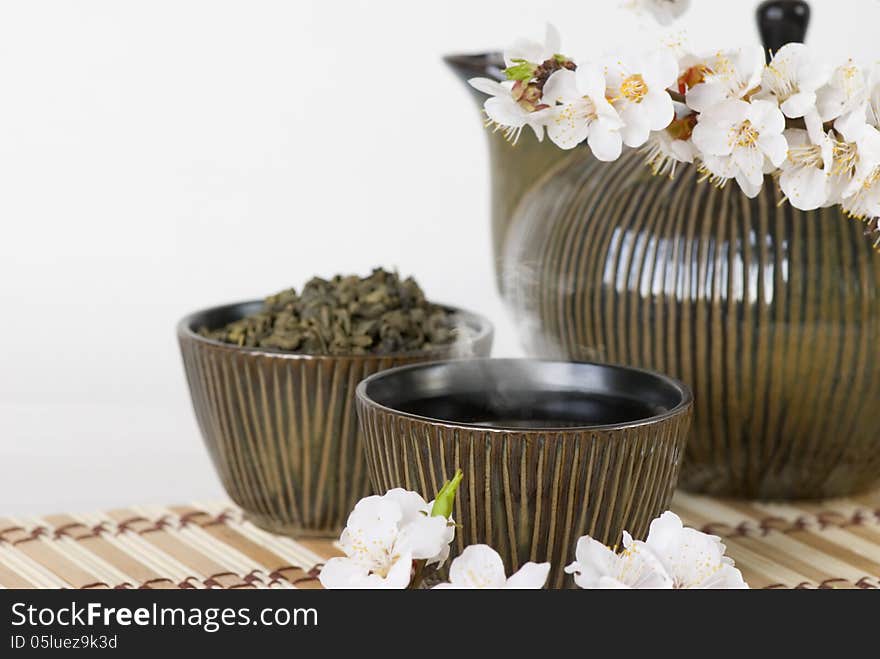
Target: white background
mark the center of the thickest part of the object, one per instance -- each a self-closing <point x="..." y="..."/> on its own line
<point x="157" y="157"/>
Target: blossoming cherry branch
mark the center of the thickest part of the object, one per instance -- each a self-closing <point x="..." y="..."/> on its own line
<point x="815" y="129"/>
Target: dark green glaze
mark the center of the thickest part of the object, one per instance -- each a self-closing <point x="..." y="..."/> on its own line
<point x="282" y="429"/>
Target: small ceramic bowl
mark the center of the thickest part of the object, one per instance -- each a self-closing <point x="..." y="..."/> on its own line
<point x="281" y="428"/>
<point x="550" y="451"/>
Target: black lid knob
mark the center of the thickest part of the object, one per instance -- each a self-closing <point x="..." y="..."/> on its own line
<point x="783" y="21"/>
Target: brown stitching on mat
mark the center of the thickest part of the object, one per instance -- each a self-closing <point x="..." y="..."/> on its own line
<point x="253" y="580"/>
<point x="36" y="533"/>
<point x="277" y="574"/>
<point x="311" y="575"/>
<point x="65" y="531"/>
<point x="125" y="526"/>
<point x="212" y="581"/>
<point x="9" y="529"/>
<point x="100" y="528"/>
<point x="253" y="577"/>
<point x="834" y="519"/>
<point x="146" y="585"/>
<point x="766" y="525"/>
<point x="157" y="525"/>
<point x="190" y="518"/>
<point x="830" y="583"/>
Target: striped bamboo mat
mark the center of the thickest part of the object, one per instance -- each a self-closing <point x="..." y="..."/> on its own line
<point x="835" y="544"/>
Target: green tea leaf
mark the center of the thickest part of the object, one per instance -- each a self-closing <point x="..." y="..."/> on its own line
<point x="345" y="315"/>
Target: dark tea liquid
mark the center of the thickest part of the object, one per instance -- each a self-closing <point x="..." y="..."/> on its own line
<point x="530" y="410"/>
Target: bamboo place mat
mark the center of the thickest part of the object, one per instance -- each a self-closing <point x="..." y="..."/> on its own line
<point x="835" y="544"/>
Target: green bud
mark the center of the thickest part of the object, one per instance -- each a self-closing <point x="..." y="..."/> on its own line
<point x="521" y="70"/>
<point x="446" y="496"/>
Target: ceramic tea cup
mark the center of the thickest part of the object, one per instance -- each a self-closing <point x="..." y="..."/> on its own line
<point x="550" y="451"/>
<point x="281" y="428"/>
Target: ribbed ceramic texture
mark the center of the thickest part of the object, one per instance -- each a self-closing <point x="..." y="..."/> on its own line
<point x="532" y="494"/>
<point x="770" y="314"/>
<point x="282" y="429"/>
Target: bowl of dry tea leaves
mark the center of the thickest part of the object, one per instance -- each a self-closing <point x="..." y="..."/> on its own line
<point x="273" y="382"/>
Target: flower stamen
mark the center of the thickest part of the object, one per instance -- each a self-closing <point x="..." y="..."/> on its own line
<point x="707" y="175"/>
<point x="859" y="206"/>
<point x="633" y="88"/>
<point x="846" y="158"/>
<point x="745" y="135"/>
<point x="510" y="133"/>
<point x="808" y="155"/>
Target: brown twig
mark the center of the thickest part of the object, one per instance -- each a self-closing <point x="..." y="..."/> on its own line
<point x="678" y="97"/>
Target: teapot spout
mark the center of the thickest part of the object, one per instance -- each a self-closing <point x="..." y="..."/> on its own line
<point x="476" y="65"/>
<point x="515" y="168"/>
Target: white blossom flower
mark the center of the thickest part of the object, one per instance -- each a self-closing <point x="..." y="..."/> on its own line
<point x="535" y="52"/>
<point x="736" y="139"/>
<point x="725" y="75"/>
<point x="447" y="536"/>
<point x="873" y="108"/>
<point x="480" y="566"/>
<point x="636" y="87"/>
<point x="665" y="12"/>
<point x="690" y="558"/>
<point x="599" y="566"/>
<point x="382" y="537"/>
<point x="731" y="122"/>
<point x="670" y="146"/>
<point x="845" y="92"/>
<point x="864" y="203"/>
<point x="507" y="110"/>
<point x="856" y="155"/>
<point x="806" y="172"/>
<point x="791" y="79"/>
<point x="579" y="111"/>
<point x="673" y="556"/>
<point x="856" y="169"/>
